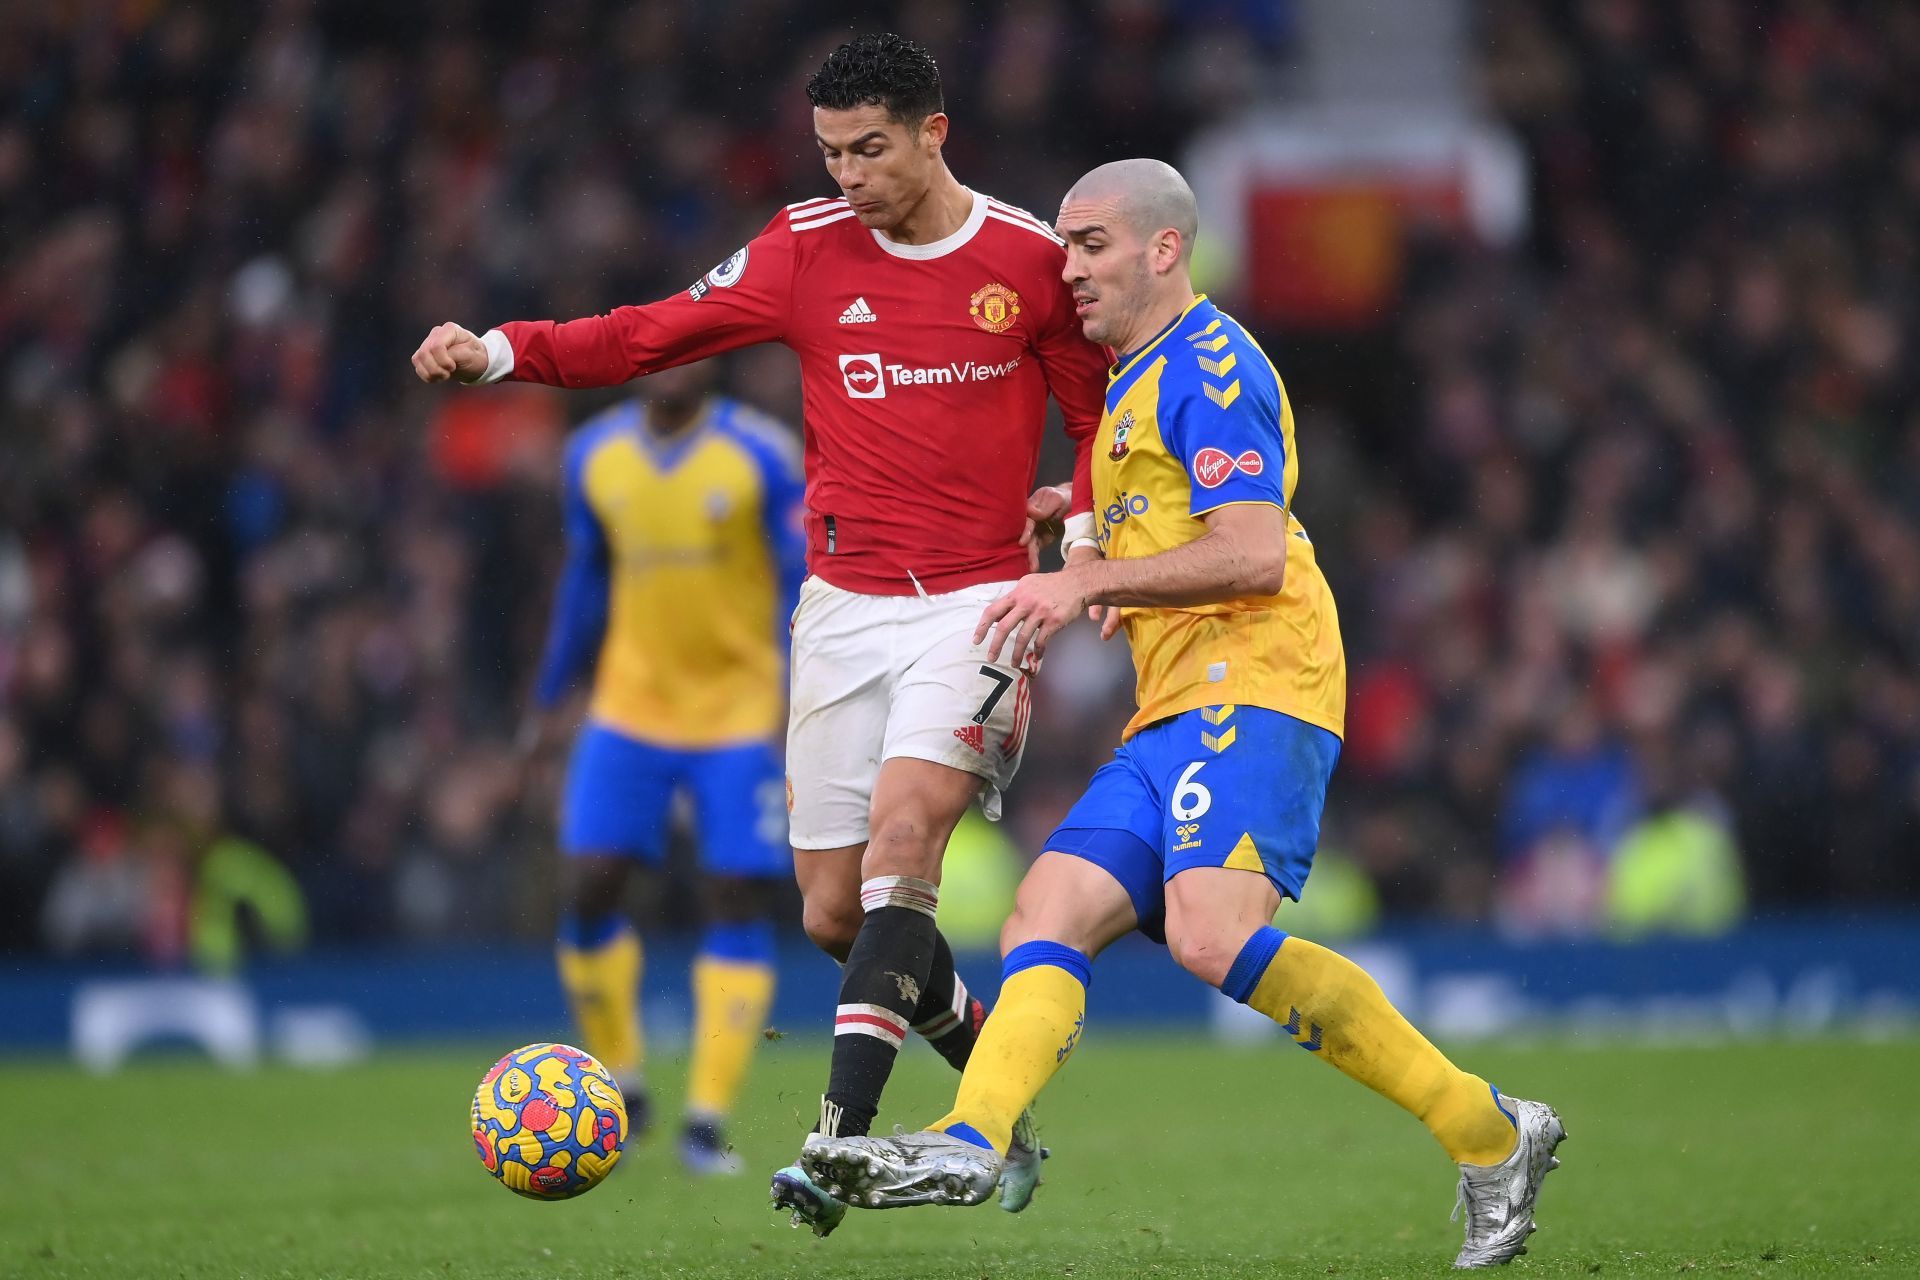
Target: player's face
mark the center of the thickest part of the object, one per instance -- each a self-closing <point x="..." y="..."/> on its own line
<point x="680" y="388"/>
<point x="1107" y="269"/>
<point x="883" y="166"/>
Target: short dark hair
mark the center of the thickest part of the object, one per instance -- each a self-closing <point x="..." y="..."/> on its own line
<point x="883" y="70"/>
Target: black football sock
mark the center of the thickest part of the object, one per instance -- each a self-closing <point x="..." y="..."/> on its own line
<point x="948" y="1016"/>
<point x="882" y="987"/>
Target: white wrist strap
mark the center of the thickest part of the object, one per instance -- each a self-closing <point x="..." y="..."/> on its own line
<point x="499" y="357"/>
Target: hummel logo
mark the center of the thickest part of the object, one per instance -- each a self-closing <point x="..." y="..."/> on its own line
<point x="858" y="313"/>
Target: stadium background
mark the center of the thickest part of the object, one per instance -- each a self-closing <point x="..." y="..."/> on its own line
<point x="1598" y="317"/>
<point x="1610" y="443"/>
<point x="1621" y="500"/>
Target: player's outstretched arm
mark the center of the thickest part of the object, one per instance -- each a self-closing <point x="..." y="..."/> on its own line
<point x="743" y="301"/>
<point x="1243" y="553"/>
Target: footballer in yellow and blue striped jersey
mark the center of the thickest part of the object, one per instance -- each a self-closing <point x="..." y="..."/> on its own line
<point x="1242" y="701"/>
<point x="685" y="551"/>
<point x="1197" y="420"/>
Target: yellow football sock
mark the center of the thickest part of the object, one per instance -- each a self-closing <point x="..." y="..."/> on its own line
<point x="1033" y="1027"/>
<point x="603" y="986"/>
<point x="1330" y="1005"/>
<point x="730" y="1003"/>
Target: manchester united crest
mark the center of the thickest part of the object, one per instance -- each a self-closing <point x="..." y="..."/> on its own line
<point x="994" y="308"/>
<point x="1121" y="430"/>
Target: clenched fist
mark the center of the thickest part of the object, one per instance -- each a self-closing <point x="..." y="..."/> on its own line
<point x="1046" y="509"/>
<point x="450" y="352"/>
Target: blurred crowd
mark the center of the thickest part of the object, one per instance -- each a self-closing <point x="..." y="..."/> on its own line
<point x="1628" y="553"/>
<point x="1639" y="616"/>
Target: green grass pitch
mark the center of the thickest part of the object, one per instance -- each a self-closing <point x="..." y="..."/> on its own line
<point x="1172" y="1159"/>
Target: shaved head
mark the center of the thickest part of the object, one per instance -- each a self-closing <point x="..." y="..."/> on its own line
<point x="1149" y="194"/>
<point x="1129" y="228"/>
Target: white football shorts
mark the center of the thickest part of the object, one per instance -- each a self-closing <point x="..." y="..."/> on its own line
<point x="875" y="677"/>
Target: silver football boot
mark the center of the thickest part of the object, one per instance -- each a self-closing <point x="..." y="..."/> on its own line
<point x="1499" y="1198"/>
<point x="906" y="1169"/>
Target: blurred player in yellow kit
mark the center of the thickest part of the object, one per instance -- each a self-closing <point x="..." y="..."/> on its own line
<point x="1209" y="812"/>
<point x="684" y="554"/>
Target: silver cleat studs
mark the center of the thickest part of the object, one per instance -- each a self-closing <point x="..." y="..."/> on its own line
<point x="908" y="1169"/>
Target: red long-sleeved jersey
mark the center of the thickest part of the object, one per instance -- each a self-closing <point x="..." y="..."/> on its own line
<point x="925" y="372"/>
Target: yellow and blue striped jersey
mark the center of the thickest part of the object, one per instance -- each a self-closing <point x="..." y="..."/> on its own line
<point x="1197" y="420"/>
<point x="684" y="557"/>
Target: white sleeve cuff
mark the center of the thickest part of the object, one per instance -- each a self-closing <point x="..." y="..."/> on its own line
<point x="1079" y="528"/>
<point x="499" y="357"/>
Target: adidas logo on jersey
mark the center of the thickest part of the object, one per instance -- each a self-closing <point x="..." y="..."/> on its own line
<point x="858" y="313"/>
<point x="974" y="736"/>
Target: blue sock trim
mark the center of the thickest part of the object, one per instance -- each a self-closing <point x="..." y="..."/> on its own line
<point x="746" y="941"/>
<point x="1031" y="955"/>
<point x="967" y="1133"/>
<point x="591" y="935"/>
<point x="1251" y="964"/>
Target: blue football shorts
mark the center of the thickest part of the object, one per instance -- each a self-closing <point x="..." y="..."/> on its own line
<point x="619" y="797"/>
<point x="1216" y="787"/>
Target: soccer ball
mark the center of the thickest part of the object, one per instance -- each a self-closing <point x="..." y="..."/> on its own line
<point x="549" y="1121"/>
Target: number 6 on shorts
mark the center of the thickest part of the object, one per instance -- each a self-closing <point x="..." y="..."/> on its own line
<point x="1190" y="798"/>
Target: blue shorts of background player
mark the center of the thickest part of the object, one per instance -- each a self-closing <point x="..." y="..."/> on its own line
<point x="1218" y="787"/>
<point x="619" y="797"/>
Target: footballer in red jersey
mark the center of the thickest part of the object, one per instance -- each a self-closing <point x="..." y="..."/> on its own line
<point x="932" y="323"/>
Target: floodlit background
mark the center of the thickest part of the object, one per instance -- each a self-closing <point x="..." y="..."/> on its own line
<point x="1598" y="318"/>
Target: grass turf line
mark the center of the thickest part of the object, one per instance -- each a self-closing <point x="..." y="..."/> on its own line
<point x="1173" y="1160"/>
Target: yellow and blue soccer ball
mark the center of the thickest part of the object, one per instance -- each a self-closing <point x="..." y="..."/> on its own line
<point x="549" y="1121"/>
